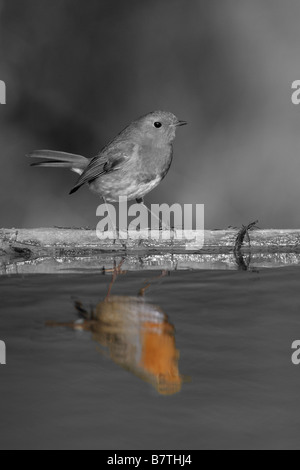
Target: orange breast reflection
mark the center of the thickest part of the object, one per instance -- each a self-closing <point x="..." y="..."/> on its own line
<point x="160" y="356"/>
<point x="139" y="338"/>
<point x="137" y="335"/>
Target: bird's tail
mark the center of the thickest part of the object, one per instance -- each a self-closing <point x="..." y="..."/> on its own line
<point x="76" y="163"/>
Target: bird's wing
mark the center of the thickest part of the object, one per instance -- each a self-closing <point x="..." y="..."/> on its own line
<point x="110" y="159"/>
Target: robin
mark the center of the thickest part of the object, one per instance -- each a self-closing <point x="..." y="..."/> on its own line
<point x="130" y="166"/>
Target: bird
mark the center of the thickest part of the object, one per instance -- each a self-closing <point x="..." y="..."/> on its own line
<point x="129" y="166"/>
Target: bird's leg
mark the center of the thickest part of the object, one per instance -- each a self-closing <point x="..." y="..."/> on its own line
<point x="143" y="290"/>
<point x="162" y="224"/>
<point x="117" y="270"/>
<point x="141" y="201"/>
<point x="114" y="228"/>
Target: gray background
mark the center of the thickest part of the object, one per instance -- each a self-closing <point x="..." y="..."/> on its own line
<point x="77" y="72"/>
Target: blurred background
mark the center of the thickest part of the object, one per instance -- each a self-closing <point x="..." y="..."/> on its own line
<point x="77" y="72"/>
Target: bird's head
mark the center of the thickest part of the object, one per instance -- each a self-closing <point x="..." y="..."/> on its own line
<point x="158" y="127"/>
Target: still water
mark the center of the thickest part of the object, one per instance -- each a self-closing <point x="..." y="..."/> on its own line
<point x="180" y="360"/>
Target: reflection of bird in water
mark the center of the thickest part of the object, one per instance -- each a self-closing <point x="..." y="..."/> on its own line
<point x="137" y="334"/>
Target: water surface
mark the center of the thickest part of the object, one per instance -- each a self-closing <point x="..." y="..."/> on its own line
<point x="219" y="342"/>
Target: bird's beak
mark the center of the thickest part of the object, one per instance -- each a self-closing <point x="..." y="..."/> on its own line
<point x="181" y="123"/>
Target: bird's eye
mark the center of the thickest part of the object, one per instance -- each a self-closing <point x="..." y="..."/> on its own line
<point x="157" y="125"/>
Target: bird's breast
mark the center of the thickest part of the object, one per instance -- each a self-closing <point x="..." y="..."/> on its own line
<point x="139" y="173"/>
<point x="156" y="160"/>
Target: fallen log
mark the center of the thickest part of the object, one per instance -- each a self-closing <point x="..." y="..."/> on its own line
<point x="34" y="249"/>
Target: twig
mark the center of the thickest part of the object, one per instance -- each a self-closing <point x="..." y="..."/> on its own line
<point x="242" y="234"/>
